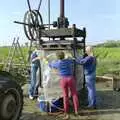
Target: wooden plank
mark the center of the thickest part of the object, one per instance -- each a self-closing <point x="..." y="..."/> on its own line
<point x="103" y="78"/>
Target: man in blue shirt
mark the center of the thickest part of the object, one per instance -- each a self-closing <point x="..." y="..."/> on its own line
<point x="35" y="64"/>
<point x="89" y="65"/>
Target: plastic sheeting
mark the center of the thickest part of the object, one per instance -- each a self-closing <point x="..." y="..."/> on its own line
<point x="50" y="78"/>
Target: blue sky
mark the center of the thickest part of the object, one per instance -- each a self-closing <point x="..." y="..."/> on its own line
<point x="100" y="17"/>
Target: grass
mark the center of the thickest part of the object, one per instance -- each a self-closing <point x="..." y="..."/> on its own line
<point x="103" y="53"/>
<point x="4" y="51"/>
<point x="108" y="59"/>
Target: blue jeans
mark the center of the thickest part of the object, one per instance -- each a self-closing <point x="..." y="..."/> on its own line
<point x="90" y="84"/>
<point x="32" y="89"/>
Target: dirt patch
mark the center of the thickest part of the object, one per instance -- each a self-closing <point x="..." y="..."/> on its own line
<point x="108" y="108"/>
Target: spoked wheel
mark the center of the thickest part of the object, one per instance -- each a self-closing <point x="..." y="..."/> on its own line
<point x="11" y="104"/>
<point x="34" y="20"/>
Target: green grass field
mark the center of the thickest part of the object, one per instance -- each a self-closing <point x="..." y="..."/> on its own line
<point x="4" y="51"/>
<point x="103" y="53"/>
<point x="108" y="59"/>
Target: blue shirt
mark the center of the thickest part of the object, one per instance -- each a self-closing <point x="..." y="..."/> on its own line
<point x="89" y="64"/>
<point x="64" y="66"/>
<point x="34" y="55"/>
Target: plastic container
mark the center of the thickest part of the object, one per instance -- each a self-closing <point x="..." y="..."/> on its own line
<point x="56" y="105"/>
<point x="43" y="104"/>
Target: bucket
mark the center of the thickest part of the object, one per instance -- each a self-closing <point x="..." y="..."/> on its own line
<point x="54" y="106"/>
<point x="43" y="104"/>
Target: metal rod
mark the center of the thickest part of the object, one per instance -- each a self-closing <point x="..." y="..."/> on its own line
<point x="62" y="8"/>
<point x="21" y="23"/>
<point x="45" y="25"/>
<point x="49" y="13"/>
<point x="74" y="48"/>
<point x="28" y="2"/>
<point x="84" y="82"/>
<point x="39" y="5"/>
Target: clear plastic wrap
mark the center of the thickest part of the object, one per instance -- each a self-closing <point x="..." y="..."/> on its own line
<point x="50" y="77"/>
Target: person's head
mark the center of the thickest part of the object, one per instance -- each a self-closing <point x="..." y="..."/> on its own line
<point x="60" y="55"/>
<point x="89" y="50"/>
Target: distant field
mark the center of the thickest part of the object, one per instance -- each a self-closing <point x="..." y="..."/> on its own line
<point x="101" y="53"/>
<point x="108" y="59"/>
<point x="5" y="50"/>
<point x="108" y="53"/>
